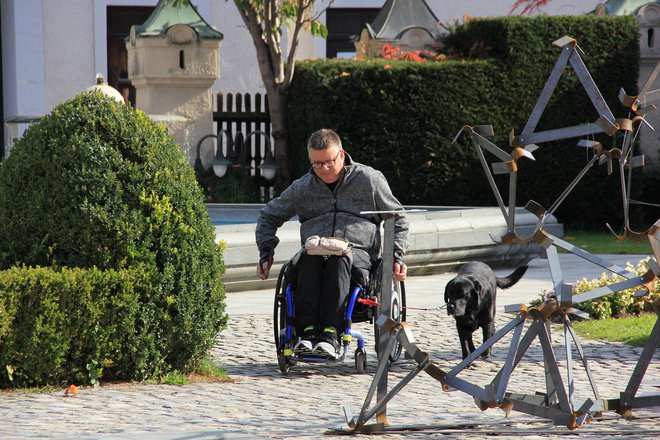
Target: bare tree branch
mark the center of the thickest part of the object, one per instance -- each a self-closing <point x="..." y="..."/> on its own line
<point x="290" y="62"/>
<point x="321" y="12"/>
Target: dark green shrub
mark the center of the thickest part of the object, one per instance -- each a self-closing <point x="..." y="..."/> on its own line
<point x="234" y="187"/>
<point x="401" y="116"/>
<point x="96" y="184"/>
<point x="404" y="123"/>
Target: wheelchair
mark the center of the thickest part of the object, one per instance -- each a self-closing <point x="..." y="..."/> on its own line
<point x="362" y="305"/>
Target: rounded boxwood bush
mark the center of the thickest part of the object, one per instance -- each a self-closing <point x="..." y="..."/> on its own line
<point x="97" y="184"/>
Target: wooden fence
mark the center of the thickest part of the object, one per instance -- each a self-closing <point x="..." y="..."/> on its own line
<point x="244" y="123"/>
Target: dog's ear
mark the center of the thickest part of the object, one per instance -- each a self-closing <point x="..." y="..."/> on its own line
<point x="476" y="292"/>
<point x="447" y="292"/>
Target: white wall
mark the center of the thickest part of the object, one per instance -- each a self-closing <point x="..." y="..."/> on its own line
<point x="52" y="49"/>
<point x="22" y="52"/>
<point x="68" y="49"/>
<point x="239" y="70"/>
<point x="454" y="9"/>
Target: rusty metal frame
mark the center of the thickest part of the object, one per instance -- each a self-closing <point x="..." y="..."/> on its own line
<point x="557" y="403"/>
<point x="508" y="165"/>
<point x="606" y="123"/>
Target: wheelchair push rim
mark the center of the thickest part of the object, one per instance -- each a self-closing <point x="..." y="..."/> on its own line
<point x="284" y="359"/>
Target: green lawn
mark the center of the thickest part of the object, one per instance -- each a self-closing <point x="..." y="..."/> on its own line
<point x="630" y="330"/>
<point x="633" y="331"/>
<point x="606" y="243"/>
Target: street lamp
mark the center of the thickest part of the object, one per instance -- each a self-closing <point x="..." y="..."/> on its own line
<point x="237" y="154"/>
<point x="268" y="166"/>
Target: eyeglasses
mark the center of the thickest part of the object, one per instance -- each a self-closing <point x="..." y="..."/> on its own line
<point x="327" y="163"/>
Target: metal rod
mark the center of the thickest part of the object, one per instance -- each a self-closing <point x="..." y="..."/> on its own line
<point x="649" y="83"/>
<point x="489" y="176"/>
<point x="382" y="370"/>
<point x="590" y="87"/>
<point x="564" y="295"/>
<point x="590" y="257"/>
<point x="508" y="364"/>
<point x="572" y="186"/>
<point x="561" y="133"/>
<point x="553" y="369"/>
<point x="551" y="389"/>
<point x="386" y="307"/>
<point x="525" y="342"/>
<point x="622" y="178"/>
<point x="578" y="346"/>
<point x="513" y="178"/>
<point x="379" y="408"/>
<point x="609" y="289"/>
<point x="549" y="87"/>
<point x="644" y="360"/>
<point x="569" y="366"/>
<point x="519" y="319"/>
<point x="467" y="387"/>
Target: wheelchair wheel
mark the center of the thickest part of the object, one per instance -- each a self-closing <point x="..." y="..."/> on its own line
<point x="279" y="308"/>
<point x="360" y="360"/>
<point x="280" y="321"/>
<point x="398" y="314"/>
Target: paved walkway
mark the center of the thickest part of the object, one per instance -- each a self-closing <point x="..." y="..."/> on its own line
<point x="263" y="403"/>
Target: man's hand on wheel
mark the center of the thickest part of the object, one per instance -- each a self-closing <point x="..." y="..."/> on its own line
<point x="400" y="271"/>
<point x="263" y="268"/>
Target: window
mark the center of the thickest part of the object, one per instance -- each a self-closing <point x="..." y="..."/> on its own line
<point x="119" y="22"/>
<point x="344" y="23"/>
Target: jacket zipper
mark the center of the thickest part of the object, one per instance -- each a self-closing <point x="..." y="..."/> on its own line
<point x="334" y="218"/>
<point x="334" y="203"/>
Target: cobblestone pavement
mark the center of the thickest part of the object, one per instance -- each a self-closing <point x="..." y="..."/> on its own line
<point x="307" y="402"/>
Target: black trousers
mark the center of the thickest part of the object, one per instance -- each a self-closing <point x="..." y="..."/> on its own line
<point x="323" y="285"/>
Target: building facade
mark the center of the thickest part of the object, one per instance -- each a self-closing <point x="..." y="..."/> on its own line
<point x="52" y="49"/>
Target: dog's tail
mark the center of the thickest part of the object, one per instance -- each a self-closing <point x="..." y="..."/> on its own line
<point x="510" y="280"/>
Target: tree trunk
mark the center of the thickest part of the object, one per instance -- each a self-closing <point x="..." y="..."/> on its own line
<point x="277" y="111"/>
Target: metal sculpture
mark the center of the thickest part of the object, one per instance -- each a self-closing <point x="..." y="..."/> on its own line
<point x="558" y="402"/>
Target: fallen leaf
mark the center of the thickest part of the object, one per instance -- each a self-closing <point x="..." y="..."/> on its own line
<point x="72" y="389"/>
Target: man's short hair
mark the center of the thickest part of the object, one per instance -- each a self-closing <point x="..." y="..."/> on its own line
<point x="323" y="140"/>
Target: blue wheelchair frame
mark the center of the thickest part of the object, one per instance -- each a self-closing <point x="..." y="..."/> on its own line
<point x="356" y="311"/>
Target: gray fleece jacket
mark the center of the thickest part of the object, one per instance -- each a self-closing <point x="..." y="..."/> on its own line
<point x="336" y="213"/>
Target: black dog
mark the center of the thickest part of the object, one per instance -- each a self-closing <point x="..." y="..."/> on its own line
<point x="470" y="298"/>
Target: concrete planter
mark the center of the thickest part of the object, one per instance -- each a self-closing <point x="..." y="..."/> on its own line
<point x="441" y="239"/>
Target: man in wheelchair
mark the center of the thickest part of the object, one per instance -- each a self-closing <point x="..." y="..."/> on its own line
<point x="329" y="201"/>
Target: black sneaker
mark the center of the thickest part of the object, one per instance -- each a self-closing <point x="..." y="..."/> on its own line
<point x="305" y="345"/>
<point x="328" y="345"/>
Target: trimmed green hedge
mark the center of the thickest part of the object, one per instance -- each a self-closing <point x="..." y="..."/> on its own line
<point x="401" y="116"/>
<point x="77" y="326"/>
<point x="99" y="185"/>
